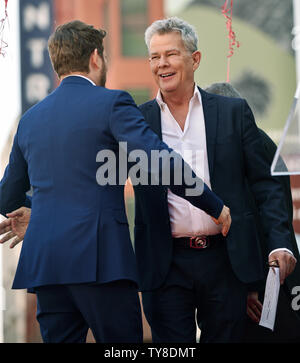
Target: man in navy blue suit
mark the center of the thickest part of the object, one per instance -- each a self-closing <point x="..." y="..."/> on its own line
<point x="77" y="254"/>
<point x="185" y="264"/>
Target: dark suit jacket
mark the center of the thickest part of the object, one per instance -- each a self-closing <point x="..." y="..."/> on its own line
<point x="235" y="154"/>
<point x="78" y="231"/>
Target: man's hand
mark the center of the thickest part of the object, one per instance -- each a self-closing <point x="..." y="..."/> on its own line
<point x="254" y="306"/>
<point x="16" y="226"/>
<point x="224" y="219"/>
<point x="286" y="262"/>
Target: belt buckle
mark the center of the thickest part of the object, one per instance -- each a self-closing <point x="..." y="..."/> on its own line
<point x="199" y="242"/>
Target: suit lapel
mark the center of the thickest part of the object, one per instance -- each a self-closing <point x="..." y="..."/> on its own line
<point x="210" y="110"/>
<point x="153" y="118"/>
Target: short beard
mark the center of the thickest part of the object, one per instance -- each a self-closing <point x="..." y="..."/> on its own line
<point x="102" y="80"/>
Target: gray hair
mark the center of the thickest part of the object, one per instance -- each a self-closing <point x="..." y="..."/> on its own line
<point x="223" y="89"/>
<point x="174" y="24"/>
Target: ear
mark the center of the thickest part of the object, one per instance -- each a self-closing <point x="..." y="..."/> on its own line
<point x="95" y="60"/>
<point x="196" y="59"/>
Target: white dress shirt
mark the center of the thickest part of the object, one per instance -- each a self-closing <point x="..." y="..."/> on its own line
<point x="187" y="220"/>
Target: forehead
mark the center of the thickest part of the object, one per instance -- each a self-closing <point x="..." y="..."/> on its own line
<point x="164" y="42"/>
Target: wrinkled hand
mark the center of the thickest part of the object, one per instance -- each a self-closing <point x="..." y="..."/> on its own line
<point x="286" y="262"/>
<point x="254" y="306"/>
<point x="225" y="220"/>
<point x="16" y="226"/>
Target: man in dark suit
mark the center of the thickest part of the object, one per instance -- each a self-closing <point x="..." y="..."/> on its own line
<point x="287" y="324"/>
<point x="77" y="254"/>
<point x="184" y="263"/>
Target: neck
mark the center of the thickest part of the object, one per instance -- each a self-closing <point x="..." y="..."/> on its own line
<point x="178" y="97"/>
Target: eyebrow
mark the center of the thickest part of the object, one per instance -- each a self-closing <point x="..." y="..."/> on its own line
<point x="167" y="51"/>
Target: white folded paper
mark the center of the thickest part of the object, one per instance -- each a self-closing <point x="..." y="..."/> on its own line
<point x="268" y="314"/>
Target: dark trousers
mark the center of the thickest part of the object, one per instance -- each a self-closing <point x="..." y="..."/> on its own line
<point x="112" y="311"/>
<point x="199" y="280"/>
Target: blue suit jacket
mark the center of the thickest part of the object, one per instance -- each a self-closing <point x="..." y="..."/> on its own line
<point x="78" y="231"/>
<point x="235" y="155"/>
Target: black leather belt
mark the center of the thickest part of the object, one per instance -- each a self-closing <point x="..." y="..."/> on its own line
<point x="200" y="242"/>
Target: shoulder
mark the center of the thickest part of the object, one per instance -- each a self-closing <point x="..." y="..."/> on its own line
<point x="231" y="108"/>
<point x="106" y="92"/>
<point x="118" y="96"/>
<point x="109" y="98"/>
<point x="34" y="111"/>
<point x="100" y="91"/>
<point x="224" y="101"/>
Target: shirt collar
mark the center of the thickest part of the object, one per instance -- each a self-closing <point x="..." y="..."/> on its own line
<point x="162" y="104"/>
<point x="160" y="100"/>
<point x="197" y="94"/>
<point x="79" y="75"/>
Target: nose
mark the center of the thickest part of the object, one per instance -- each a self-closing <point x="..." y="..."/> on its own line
<point x="163" y="61"/>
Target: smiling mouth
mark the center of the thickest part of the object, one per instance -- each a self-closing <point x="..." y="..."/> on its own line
<point x="166" y="75"/>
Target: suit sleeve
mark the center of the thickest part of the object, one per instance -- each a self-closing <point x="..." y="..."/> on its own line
<point x="267" y="191"/>
<point x="128" y="125"/>
<point x="270" y="148"/>
<point x="15" y="182"/>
